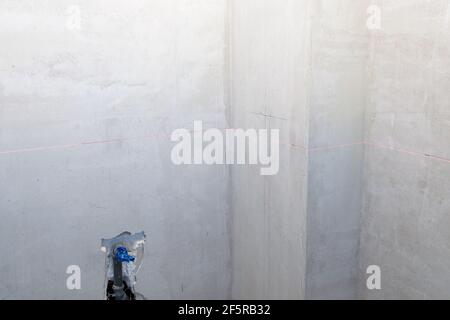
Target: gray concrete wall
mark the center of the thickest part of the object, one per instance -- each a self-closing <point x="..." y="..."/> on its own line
<point x="269" y="68"/>
<point x="91" y="91"/>
<point x="299" y="66"/>
<point x="132" y="72"/>
<point x="339" y="50"/>
<point x="405" y="222"/>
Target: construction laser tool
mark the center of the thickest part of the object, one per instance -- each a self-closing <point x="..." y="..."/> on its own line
<point x="124" y="254"/>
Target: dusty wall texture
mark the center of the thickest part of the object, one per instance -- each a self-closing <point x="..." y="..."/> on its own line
<point x="339" y="47"/>
<point x="75" y="75"/>
<point x="90" y="92"/>
<point x="405" y="218"/>
<point x="299" y="66"/>
<point x="369" y="107"/>
<point x="269" y="41"/>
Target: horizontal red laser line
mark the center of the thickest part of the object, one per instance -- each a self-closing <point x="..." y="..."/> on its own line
<point x="337" y="146"/>
<point x="74" y="145"/>
<point x="372" y="144"/>
<point x="40" y="148"/>
<point x="414" y="153"/>
<point x="311" y="150"/>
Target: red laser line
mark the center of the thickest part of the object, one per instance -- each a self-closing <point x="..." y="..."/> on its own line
<point x="311" y="150"/>
<point x="337" y="146"/>
<point x="414" y="153"/>
<point x="80" y="144"/>
<point x="40" y="148"/>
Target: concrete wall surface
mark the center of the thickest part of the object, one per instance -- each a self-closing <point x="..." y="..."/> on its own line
<point x="269" y="67"/>
<point x="299" y="66"/>
<point x="375" y="139"/>
<point x="406" y="206"/>
<point x="339" y="51"/>
<point x="90" y="92"/>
